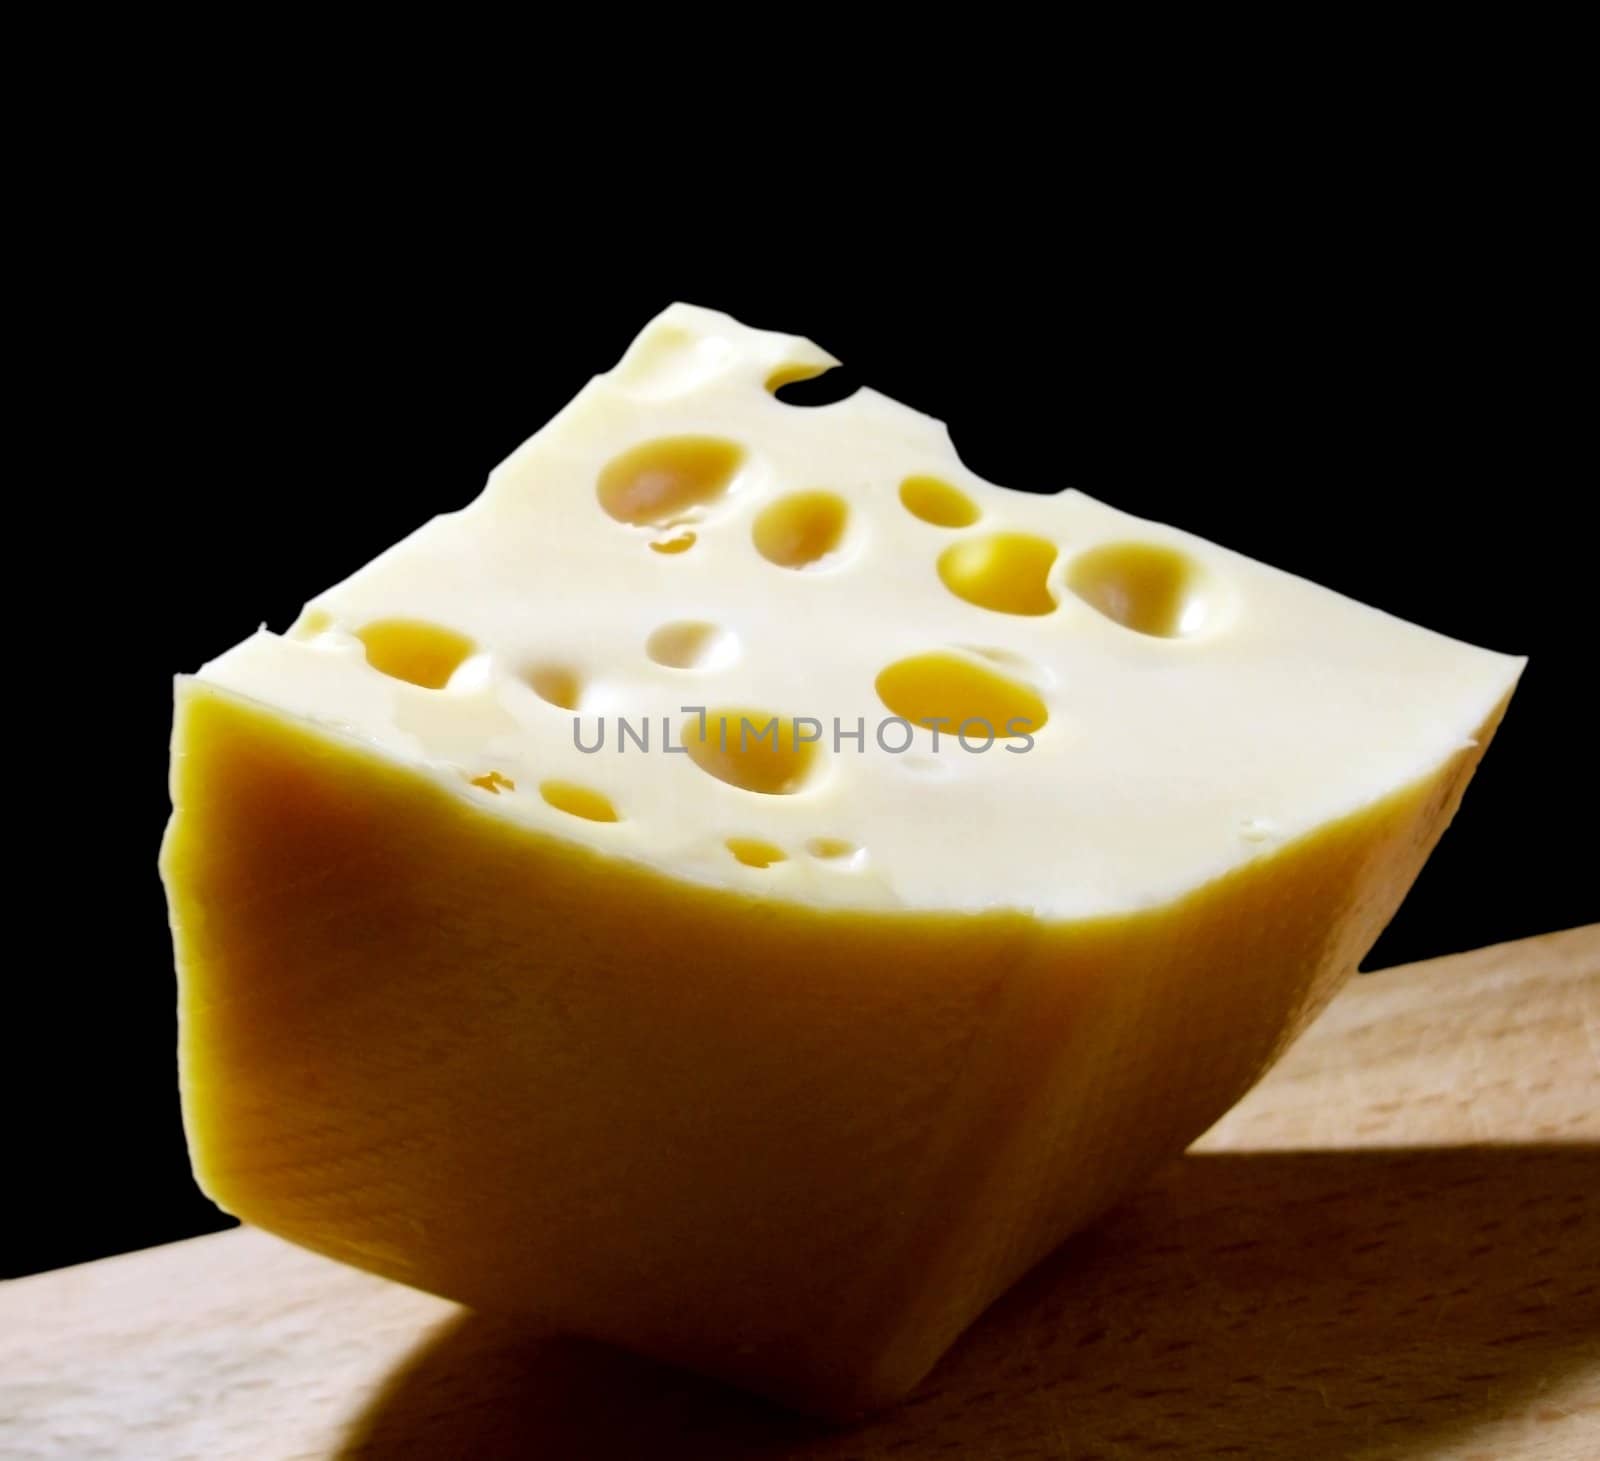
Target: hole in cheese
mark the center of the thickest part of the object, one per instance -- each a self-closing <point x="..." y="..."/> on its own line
<point x="690" y="644"/>
<point x="1003" y="571"/>
<point x="754" y="853"/>
<point x="812" y="385"/>
<point x="1150" y="589"/>
<point x="311" y="623"/>
<point x="938" y="502"/>
<point x="754" y="750"/>
<point x="657" y="482"/>
<point x="677" y="543"/>
<point x="801" y="529"/>
<point x="493" y="781"/>
<point x="670" y="361"/>
<point x="408" y="649"/>
<point x="578" y="801"/>
<point x="556" y="685"/>
<point x="830" y="849"/>
<point x="793" y="373"/>
<point x="947" y="692"/>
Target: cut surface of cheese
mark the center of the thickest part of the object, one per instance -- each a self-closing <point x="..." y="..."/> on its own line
<point x="745" y="888"/>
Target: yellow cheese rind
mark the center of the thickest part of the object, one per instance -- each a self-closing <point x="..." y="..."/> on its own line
<point x="798" y="1147"/>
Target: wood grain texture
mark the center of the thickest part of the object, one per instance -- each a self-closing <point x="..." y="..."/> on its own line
<point x="1390" y="1249"/>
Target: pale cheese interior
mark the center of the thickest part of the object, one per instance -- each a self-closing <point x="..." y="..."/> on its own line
<point x="1201" y="708"/>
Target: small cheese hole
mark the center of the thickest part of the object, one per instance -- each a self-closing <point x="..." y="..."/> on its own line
<point x="493" y="781"/>
<point x="753" y="853"/>
<point x="801" y="529"/>
<point x="578" y="801"/>
<point x="677" y="543"/>
<point x="408" y="649"/>
<point x="830" y="849"/>
<point x="753" y="749"/>
<point x="556" y="685"/>
<point x="659" y="483"/>
<point x="1149" y="589"/>
<point x="310" y="624"/>
<point x="670" y="361"/>
<point x="812" y="385"/>
<point x="1004" y="571"/>
<point x="957" y="697"/>
<point x="689" y="644"/>
<point x="937" y="502"/>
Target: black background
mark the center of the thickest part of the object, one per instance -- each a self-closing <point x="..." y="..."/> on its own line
<point x="1361" y="376"/>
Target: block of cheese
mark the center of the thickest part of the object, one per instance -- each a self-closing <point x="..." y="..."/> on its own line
<point x="746" y="888"/>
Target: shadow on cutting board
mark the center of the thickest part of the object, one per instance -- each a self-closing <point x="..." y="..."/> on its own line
<point x="1253" y="1305"/>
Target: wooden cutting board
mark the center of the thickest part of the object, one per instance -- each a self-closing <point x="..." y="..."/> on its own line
<point x="1390" y="1249"/>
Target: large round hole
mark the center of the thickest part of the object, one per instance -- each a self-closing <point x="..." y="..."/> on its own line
<point x="937" y="502"/>
<point x="1142" y="586"/>
<point x="956" y="697"/>
<point x="801" y="529"/>
<point x="660" y="483"/>
<point x="411" y="650"/>
<point x="754" y="750"/>
<point x="578" y="801"/>
<point x="691" y="644"/>
<point x="1003" y="571"/>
